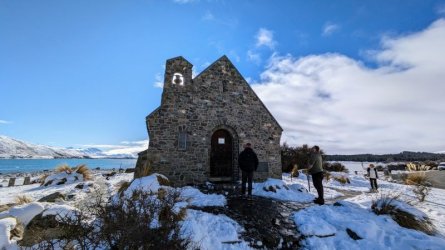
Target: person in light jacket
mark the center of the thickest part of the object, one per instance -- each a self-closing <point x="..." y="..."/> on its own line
<point x="373" y="176"/>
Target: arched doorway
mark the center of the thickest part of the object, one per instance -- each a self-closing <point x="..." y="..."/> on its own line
<point x="221" y="155"/>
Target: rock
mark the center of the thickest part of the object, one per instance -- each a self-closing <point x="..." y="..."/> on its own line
<point x="353" y="234"/>
<point x="79" y="186"/>
<point x="129" y="170"/>
<point x="52" y="197"/>
<point x="40" y="229"/>
<point x="338" y="204"/>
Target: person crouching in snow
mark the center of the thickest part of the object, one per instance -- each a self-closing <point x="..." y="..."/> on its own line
<point x="372" y="173"/>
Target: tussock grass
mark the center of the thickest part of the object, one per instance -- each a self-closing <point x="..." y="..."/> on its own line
<point x="84" y="171"/>
<point x="64" y="168"/>
<point x="80" y="169"/>
<point x="163" y="181"/>
<point x="342" y="179"/>
<point x="294" y="172"/>
<point x="386" y="206"/>
<point x="122" y="186"/>
<point x="422" y="186"/>
<point x="418" y="167"/>
<point x="22" y="199"/>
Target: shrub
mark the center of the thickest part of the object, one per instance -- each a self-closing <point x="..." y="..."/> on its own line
<point x="391" y="205"/>
<point x="295" y="155"/>
<point x="138" y="221"/>
<point x="421" y="184"/>
<point x="335" y="167"/>
<point x="22" y="199"/>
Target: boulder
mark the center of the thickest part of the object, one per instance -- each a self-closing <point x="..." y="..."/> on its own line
<point x="53" y="197"/>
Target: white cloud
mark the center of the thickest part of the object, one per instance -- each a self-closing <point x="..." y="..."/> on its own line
<point x="330" y="28"/>
<point x="346" y="107"/>
<point x="125" y="147"/>
<point x="264" y="37"/>
<point x="159" y="82"/>
<point x="253" y="56"/>
<point x="5" y="122"/>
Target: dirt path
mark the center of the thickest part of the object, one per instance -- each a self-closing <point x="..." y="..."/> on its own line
<point x="268" y="223"/>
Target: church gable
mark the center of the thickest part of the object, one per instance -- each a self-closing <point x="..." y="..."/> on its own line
<point x="197" y="132"/>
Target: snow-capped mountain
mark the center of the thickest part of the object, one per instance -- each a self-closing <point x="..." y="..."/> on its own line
<point x="13" y="148"/>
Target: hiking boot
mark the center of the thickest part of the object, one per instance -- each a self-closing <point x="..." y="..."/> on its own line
<point x="319" y="201"/>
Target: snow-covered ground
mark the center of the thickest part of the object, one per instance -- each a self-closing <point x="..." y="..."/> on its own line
<point x="323" y="227"/>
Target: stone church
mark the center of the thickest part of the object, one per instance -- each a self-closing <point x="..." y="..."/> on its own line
<point x="198" y="131"/>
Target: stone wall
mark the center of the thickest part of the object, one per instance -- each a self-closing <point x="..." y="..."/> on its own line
<point x="219" y="97"/>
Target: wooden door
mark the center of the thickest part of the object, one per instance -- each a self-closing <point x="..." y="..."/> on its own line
<point x="221" y="158"/>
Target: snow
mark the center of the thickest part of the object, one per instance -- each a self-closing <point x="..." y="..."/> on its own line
<point x="377" y="232"/>
<point x="208" y="231"/>
<point x="61" y="211"/>
<point x="70" y="177"/>
<point x="148" y="184"/>
<point x="6" y="225"/>
<point x="24" y="213"/>
<point x="277" y="189"/>
<point x="197" y="198"/>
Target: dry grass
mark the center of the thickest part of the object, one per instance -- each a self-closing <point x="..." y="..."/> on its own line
<point x="80" y="169"/>
<point x="416" y="179"/>
<point x="84" y="171"/>
<point x="404" y="219"/>
<point x="418" y="167"/>
<point x="22" y="199"/>
<point x="42" y="178"/>
<point x="122" y="186"/>
<point x="163" y="181"/>
<point x="327" y="176"/>
<point x="294" y="172"/>
<point x="421" y="184"/>
<point x="342" y="179"/>
<point x="64" y="168"/>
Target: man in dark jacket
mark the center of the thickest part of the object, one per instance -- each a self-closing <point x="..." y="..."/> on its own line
<point x="315" y="168"/>
<point x="248" y="162"/>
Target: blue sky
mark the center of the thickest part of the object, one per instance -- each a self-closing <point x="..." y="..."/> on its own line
<point x="76" y="73"/>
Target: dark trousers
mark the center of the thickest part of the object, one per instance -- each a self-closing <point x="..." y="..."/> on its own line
<point x="246" y="177"/>
<point x="318" y="184"/>
<point x="373" y="183"/>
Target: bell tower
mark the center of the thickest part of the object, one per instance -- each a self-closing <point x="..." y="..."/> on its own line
<point x="177" y="80"/>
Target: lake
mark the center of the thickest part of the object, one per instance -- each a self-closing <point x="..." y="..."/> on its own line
<point x="8" y="166"/>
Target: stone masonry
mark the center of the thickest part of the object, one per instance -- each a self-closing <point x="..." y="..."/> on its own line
<point x="192" y="109"/>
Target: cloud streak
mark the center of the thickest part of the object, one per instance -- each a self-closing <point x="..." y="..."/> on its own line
<point x="346" y="107"/>
<point x="330" y="28"/>
<point x="5" y="122"/>
<point x="264" y="37"/>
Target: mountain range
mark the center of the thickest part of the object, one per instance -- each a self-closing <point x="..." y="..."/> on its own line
<point x="11" y="148"/>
